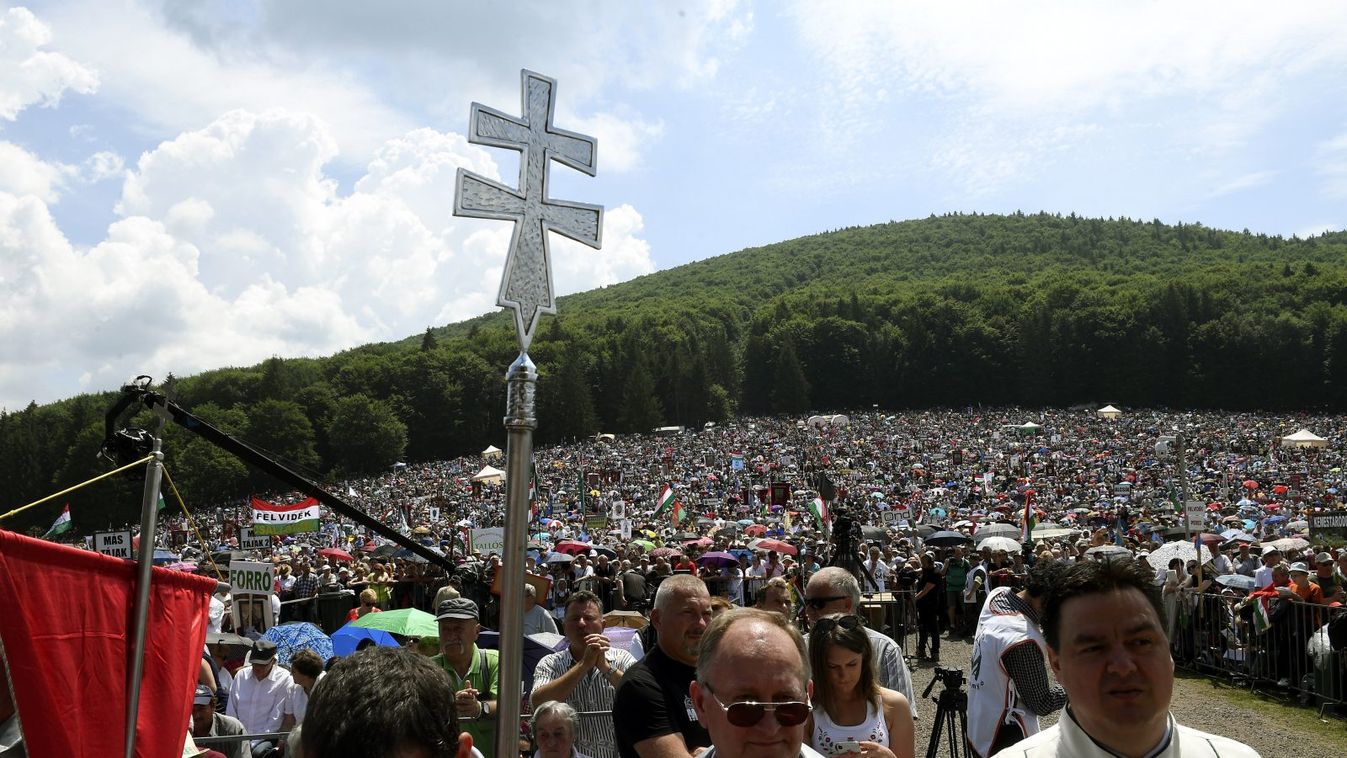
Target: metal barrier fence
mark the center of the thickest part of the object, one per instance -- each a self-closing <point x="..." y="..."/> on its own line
<point x="1285" y="645"/>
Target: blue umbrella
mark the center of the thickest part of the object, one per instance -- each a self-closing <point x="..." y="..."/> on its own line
<point x="1276" y="519"/>
<point x="1237" y="581"/>
<point x="298" y="635"/>
<point x="346" y="639"/>
<point x="164" y="556"/>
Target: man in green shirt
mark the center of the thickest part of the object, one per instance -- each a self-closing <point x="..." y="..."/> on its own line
<point x="956" y="573"/>
<point x="474" y="672"/>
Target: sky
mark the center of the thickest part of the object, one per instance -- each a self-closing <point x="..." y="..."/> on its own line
<point x="190" y="184"/>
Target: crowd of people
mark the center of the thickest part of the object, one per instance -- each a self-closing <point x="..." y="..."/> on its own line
<point x="682" y="527"/>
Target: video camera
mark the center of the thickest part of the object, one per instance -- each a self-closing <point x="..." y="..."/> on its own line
<point x="952" y="679"/>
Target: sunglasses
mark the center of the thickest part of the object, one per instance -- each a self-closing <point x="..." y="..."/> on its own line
<point x="828" y="623"/>
<point x="818" y="603"/>
<point x="748" y="713"/>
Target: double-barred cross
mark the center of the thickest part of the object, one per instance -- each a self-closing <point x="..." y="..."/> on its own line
<point x="527" y="284"/>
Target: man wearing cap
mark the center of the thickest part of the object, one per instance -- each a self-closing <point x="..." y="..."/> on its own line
<point x="207" y="723"/>
<point x="474" y="672"/>
<point x="259" y="694"/>
<point x="1324" y="576"/>
<point x="1263" y="576"/>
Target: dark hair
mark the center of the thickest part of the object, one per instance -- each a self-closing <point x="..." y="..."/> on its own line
<point x="853" y="638"/>
<point x="1093" y="578"/>
<point x="584" y="596"/>
<point x="1043" y="577"/>
<point x="306" y="662"/>
<point x="378" y="701"/>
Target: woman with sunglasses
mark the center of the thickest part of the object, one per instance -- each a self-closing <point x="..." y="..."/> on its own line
<point x="849" y="705"/>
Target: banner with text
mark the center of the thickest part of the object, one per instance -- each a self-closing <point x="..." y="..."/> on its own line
<point x="269" y="518"/>
<point x="487" y="541"/>
<point x="115" y="544"/>
<point x="251" y="585"/>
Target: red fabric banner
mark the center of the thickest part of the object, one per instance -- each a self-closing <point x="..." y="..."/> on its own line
<point x="66" y="628"/>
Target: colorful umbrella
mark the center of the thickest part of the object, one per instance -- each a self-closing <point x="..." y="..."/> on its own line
<point x="572" y="547"/>
<point x="300" y="635"/>
<point x="336" y="554"/>
<point x="717" y="559"/>
<point x="784" y="548"/>
<point x="408" y="622"/>
<point x="346" y="639"/>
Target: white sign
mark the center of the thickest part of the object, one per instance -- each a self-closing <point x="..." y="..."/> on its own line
<point x="115" y="544"/>
<point x="626" y="528"/>
<point x="249" y="542"/>
<point x="434" y="514"/>
<point x="1197" y="514"/>
<point x="487" y="541"/>
<point x="251" y="585"/>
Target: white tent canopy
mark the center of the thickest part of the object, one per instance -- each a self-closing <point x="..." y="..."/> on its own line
<point x="489" y="475"/>
<point x="491" y="451"/>
<point x="1304" y="438"/>
<point x="1109" y="412"/>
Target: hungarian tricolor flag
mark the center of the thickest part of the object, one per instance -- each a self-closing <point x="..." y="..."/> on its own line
<point x="819" y="509"/>
<point x="666" y="500"/>
<point x="680" y="512"/>
<point x="61" y="525"/>
<point x="533" y="492"/>
<point x="269" y="518"/>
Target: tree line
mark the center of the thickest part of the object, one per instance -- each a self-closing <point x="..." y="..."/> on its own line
<point x="1032" y="310"/>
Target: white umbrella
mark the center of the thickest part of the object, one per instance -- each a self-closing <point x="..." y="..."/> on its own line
<point x="1181" y="549"/>
<point x="996" y="542"/>
<point x="1108" y="551"/>
<point x="997" y="530"/>
<point x="1288" y="543"/>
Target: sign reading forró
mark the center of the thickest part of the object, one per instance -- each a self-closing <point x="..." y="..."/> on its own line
<point x="251" y="584"/>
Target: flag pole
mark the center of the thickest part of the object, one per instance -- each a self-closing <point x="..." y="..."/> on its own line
<point x="149" y="513"/>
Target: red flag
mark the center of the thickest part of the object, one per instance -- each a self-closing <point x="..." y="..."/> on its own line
<point x="66" y="629"/>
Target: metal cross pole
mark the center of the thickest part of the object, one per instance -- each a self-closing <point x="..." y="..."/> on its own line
<point x="149" y="512"/>
<point x="526" y="287"/>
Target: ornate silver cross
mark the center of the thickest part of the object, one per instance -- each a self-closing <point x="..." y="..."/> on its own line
<point x="527" y="284"/>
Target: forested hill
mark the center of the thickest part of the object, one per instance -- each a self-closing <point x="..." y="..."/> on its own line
<point x="1022" y="309"/>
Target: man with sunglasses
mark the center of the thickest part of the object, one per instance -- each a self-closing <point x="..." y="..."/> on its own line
<point x="833" y="590"/>
<point x="653" y="714"/>
<point x="752" y="689"/>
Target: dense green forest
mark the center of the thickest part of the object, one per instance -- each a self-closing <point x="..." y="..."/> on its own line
<point x="1034" y="310"/>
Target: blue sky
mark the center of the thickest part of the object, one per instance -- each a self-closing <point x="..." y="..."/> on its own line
<point x="192" y="184"/>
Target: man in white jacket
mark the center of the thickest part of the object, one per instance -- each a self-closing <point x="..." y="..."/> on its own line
<point x="1105" y="630"/>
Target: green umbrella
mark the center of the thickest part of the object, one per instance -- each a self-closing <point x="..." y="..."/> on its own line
<point x="408" y="622"/>
<point x="647" y="544"/>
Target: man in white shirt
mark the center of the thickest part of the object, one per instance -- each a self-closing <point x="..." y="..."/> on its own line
<point x="259" y="695"/>
<point x="1263" y="576"/>
<point x="878" y="572"/>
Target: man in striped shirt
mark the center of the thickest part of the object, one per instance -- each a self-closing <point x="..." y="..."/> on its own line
<point x="585" y="674"/>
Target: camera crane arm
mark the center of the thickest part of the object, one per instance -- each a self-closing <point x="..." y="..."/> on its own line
<point x="122" y="443"/>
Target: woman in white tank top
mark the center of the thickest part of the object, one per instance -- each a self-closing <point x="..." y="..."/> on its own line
<point x="849" y="704"/>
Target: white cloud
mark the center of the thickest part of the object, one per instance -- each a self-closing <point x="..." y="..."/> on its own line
<point x="235" y="245"/>
<point x="23" y="173"/>
<point x="102" y="165"/>
<point x="1199" y="78"/>
<point x="1244" y="182"/>
<point x="30" y="75"/>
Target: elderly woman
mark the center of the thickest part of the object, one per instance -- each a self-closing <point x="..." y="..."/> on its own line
<point x="554" y="726"/>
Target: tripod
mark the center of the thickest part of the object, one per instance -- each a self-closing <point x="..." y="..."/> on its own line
<point x="951" y="714"/>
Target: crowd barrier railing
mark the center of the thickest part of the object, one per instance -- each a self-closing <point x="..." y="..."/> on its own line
<point x="1285" y="646"/>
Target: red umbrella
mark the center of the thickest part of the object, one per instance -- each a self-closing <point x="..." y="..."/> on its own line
<point x="572" y="547"/>
<point x="1211" y="540"/>
<point x="337" y="553"/>
<point x="1250" y="484"/>
<point x="756" y="530"/>
<point x="664" y="552"/>
<point x="700" y="542"/>
<point x="777" y="545"/>
<point x="1280" y="489"/>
